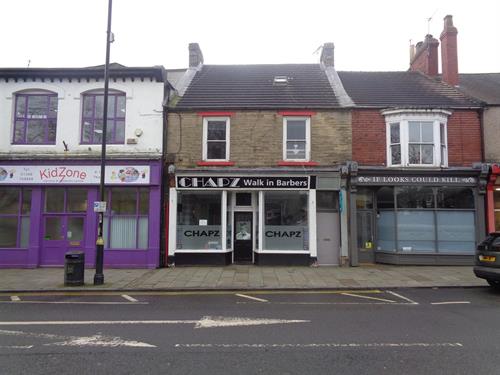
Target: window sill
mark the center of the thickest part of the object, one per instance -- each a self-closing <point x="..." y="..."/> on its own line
<point x="215" y="163"/>
<point x="285" y="163"/>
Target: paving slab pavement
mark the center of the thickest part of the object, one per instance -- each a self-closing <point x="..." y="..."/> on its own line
<point x="245" y="277"/>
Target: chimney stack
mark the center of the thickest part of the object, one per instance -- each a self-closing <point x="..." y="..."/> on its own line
<point x="449" y="57"/>
<point x="195" y="55"/>
<point x="327" y="56"/>
<point x="425" y="56"/>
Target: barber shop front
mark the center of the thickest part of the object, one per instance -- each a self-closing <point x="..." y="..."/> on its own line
<point x="432" y="217"/>
<point x="246" y="219"/>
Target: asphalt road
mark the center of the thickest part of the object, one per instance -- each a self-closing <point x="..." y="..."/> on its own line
<point x="400" y="331"/>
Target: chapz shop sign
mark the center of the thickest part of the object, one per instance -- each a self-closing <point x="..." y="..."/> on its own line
<point x="73" y="174"/>
<point x="423" y="180"/>
<point x="185" y="182"/>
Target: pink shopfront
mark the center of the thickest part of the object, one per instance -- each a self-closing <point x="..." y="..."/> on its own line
<point x="47" y="210"/>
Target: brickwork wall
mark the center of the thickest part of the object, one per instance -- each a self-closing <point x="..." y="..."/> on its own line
<point x="492" y="134"/>
<point x="257" y="138"/>
<point x="369" y="138"/>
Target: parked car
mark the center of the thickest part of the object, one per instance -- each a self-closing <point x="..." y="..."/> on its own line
<point x="487" y="261"/>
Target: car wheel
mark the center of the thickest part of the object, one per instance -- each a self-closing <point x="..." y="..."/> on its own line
<point x="494" y="283"/>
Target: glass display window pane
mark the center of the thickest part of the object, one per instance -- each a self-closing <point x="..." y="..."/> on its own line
<point x="35" y="132"/>
<point x="143" y="234"/>
<point x="76" y="200"/>
<point x="396" y="154"/>
<point x="216" y="150"/>
<point x="415" y="197"/>
<point x="385" y="197"/>
<point x="456" y="231"/>
<point x="21" y="106"/>
<point x="38" y="106"/>
<point x="54" y="200"/>
<point x="216" y="130"/>
<point x="414" y="154"/>
<point x="286" y="208"/>
<point x="25" y="232"/>
<point x="8" y="232"/>
<point x="296" y="129"/>
<point x="88" y="106"/>
<point x="395" y="136"/>
<point x="123" y="201"/>
<point x="123" y="233"/>
<point x="497" y="220"/>
<point x="427" y="132"/>
<point x="416" y="231"/>
<point x="19" y="132"/>
<point x="53" y="227"/>
<point x="75" y="230"/>
<point x="364" y="199"/>
<point x="455" y="197"/>
<point x="414" y="131"/>
<point x="295" y="150"/>
<point x="9" y="200"/>
<point x="496" y="198"/>
<point x="120" y="106"/>
<point x="365" y="229"/>
<point x="326" y="200"/>
<point x="143" y="201"/>
<point x="427" y="154"/>
<point x="26" y="202"/>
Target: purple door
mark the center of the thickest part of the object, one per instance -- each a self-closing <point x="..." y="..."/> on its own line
<point x="63" y="224"/>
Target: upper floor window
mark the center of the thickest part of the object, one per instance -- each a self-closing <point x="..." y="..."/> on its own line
<point x="93" y="113"/>
<point x="35" y="119"/>
<point x="417" y="138"/>
<point x="296" y="138"/>
<point x="216" y="138"/>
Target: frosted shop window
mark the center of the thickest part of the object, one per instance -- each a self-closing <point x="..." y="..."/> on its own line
<point x="15" y="205"/>
<point x="199" y="220"/>
<point x="126" y="222"/>
<point x="286" y="221"/>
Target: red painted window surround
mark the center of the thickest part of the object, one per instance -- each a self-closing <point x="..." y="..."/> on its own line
<point x="285" y="163"/>
<point x="296" y="113"/>
<point x="215" y="163"/>
<point x="215" y="114"/>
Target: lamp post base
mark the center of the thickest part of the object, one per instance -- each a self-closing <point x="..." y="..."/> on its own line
<point x="98" y="279"/>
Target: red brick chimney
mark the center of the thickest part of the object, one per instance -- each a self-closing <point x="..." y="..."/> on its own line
<point x="449" y="59"/>
<point x="425" y="59"/>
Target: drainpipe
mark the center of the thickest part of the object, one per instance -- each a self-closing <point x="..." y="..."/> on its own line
<point x="163" y="201"/>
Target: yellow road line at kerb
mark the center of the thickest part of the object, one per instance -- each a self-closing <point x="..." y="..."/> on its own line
<point x="188" y="293"/>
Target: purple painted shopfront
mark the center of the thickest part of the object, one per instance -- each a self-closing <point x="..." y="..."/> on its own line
<point x="47" y="209"/>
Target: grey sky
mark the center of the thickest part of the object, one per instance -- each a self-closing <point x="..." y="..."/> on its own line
<point x="368" y="35"/>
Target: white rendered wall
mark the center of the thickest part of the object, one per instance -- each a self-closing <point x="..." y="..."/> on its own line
<point x="143" y="111"/>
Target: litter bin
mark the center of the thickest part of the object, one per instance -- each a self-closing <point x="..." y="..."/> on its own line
<point x="74" y="268"/>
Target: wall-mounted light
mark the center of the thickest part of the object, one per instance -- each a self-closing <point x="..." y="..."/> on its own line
<point x="138" y="132"/>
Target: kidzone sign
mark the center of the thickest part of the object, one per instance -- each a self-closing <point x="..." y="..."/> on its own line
<point x="73" y="174"/>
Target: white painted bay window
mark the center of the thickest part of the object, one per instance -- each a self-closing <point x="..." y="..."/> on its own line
<point x="216" y="138"/>
<point x="417" y="138"/>
<point x="296" y="138"/>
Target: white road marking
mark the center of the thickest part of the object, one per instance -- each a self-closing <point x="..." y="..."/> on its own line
<point x="253" y="298"/>
<point x="328" y="345"/>
<point x="78" y="303"/>
<point x="131" y="299"/>
<point x="402" y="297"/>
<point x="205" y="322"/>
<point x="96" y="340"/>
<point x="450" y="303"/>
<point x="15" y="298"/>
<point x="329" y="303"/>
<point x="368" y="297"/>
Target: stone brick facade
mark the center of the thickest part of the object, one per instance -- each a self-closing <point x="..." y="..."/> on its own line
<point x="256" y="138"/>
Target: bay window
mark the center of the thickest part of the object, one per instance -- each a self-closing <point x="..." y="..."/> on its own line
<point x="15" y="206"/>
<point x="417" y="138"/>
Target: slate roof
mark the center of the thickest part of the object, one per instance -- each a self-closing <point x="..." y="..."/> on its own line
<point x="484" y="86"/>
<point x="402" y="89"/>
<point x="251" y="87"/>
<point x="96" y="72"/>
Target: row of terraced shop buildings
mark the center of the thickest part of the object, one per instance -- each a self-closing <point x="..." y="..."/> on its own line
<point x="263" y="164"/>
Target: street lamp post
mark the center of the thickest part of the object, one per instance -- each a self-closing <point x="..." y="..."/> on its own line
<point x="99" y="255"/>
